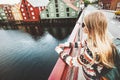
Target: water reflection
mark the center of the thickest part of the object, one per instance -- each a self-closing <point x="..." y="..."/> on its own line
<point x="60" y="32"/>
<point x="22" y="57"/>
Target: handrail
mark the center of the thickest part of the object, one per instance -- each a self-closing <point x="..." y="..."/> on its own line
<point x="60" y="69"/>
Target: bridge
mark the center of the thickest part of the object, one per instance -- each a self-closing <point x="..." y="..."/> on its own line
<point x="62" y="71"/>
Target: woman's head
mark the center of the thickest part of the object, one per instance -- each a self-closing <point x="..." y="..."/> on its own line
<point x="96" y="24"/>
<point x="98" y="38"/>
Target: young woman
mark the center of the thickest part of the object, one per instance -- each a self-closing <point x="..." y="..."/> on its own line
<point x="97" y="51"/>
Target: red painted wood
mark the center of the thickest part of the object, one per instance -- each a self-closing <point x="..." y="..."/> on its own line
<point x="28" y="12"/>
<point x="76" y="73"/>
<point x="56" y="74"/>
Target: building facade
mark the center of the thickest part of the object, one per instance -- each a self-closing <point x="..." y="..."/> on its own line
<point x="111" y="4"/>
<point x="16" y="12"/>
<point x="115" y="5"/>
<point x="8" y="12"/>
<point x="29" y="13"/>
<point x="106" y="3"/>
<point x="58" y="9"/>
<point x="3" y="16"/>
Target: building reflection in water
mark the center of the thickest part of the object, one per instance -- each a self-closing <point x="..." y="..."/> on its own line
<point x="60" y="32"/>
<point x="57" y="31"/>
<point x="23" y="57"/>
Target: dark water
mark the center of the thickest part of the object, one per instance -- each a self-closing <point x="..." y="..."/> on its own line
<point x="30" y="55"/>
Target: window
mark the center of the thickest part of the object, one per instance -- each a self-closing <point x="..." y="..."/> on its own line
<point x="56" y="10"/>
<point x="5" y="11"/>
<point x="22" y="5"/>
<point x="57" y="15"/>
<point x="46" y="9"/>
<point x="24" y="17"/>
<point x="28" y="4"/>
<point x="31" y="8"/>
<point x="47" y="15"/>
<point x="32" y="13"/>
<point x="67" y="9"/>
<point x="56" y="5"/>
<point x="22" y="10"/>
<point x="33" y="17"/>
<point x="23" y="14"/>
<point x="9" y="11"/>
<point x="56" y="1"/>
<point x="68" y="14"/>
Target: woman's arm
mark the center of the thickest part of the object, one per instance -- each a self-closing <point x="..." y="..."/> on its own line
<point x="64" y="56"/>
<point x="71" y="44"/>
<point x="71" y="61"/>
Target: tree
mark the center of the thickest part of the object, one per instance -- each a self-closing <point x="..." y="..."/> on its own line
<point x="86" y="2"/>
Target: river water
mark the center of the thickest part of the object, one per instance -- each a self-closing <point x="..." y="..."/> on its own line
<point x="30" y="55"/>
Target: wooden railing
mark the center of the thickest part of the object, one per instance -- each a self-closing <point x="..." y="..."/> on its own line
<point x="62" y="71"/>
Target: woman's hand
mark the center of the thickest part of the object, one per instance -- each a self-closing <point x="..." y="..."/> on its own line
<point x="66" y="44"/>
<point x="58" y="50"/>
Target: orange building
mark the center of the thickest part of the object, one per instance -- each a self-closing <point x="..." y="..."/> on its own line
<point x="115" y="5"/>
<point x="29" y="13"/>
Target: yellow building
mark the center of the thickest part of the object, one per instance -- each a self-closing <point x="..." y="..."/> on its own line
<point x="16" y="12"/>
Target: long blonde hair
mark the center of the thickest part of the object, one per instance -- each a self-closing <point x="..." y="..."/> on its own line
<point x="98" y="38"/>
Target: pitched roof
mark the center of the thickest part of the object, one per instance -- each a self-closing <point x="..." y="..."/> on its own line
<point x="38" y="3"/>
<point x="11" y="2"/>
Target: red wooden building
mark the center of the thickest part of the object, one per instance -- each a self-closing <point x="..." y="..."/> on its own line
<point x="39" y="3"/>
<point x="29" y="12"/>
<point x="106" y="3"/>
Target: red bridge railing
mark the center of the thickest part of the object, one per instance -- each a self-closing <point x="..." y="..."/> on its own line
<point x="62" y="71"/>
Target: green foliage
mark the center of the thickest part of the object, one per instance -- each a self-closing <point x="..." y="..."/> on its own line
<point x="86" y="2"/>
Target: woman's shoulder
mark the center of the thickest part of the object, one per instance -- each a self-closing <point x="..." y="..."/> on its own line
<point x="116" y="50"/>
<point x="113" y="74"/>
